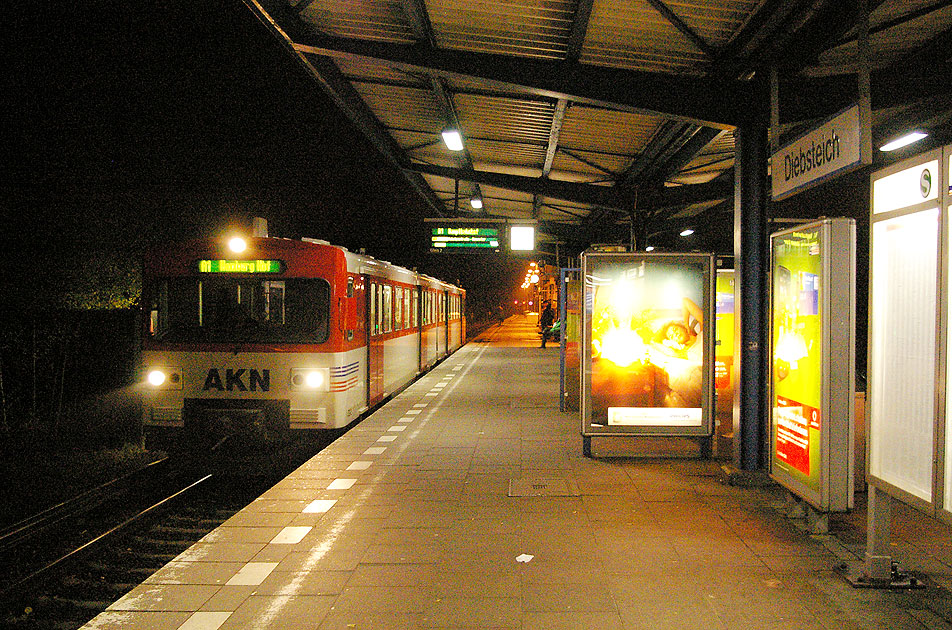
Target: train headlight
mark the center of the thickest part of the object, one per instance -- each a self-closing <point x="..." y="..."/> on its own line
<point x="310" y="379"/>
<point x="163" y="378"/>
<point x="237" y="244"/>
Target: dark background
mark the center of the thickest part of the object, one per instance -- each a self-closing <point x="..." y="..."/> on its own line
<point x="129" y="124"/>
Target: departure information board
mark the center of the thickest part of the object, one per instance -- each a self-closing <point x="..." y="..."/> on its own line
<point x="461" y="238"/>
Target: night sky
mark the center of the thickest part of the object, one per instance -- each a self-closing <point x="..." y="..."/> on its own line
<point x="127" y="124"/>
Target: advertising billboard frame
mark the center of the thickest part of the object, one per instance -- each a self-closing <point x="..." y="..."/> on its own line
<point x="704" y="263"/>
<point x="928" y="491"/>
<point x="813" y="456"/>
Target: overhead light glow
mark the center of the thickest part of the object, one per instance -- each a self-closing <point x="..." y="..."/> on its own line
<point x="522" y="237"/>
<point x="650" y="248"/>
<point x="237" y="244"/>
<point x="452" y="139"/>
<point x="156" y="378"/>
<point x="905" y="140"/>
<point x="476" y="202"/>
<point x="687" y="232"/>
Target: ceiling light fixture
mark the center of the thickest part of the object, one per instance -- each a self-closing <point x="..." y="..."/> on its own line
<point x="687" y="232"/>
<point x="902" y="141"/>
<point x="476" y="202"/>
<point x="452" y="139"/>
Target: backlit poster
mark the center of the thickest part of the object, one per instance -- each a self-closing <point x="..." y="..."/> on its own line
<point x="797" y="350"/>
<point x="571" y="316"/>
<point x="647" y="343"/>
<point x="812" y="361"/>
<point x="724" y="359"/>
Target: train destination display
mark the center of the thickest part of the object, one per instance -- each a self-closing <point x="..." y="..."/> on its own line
<point x="239" y="266"/>
<point x="464" y="237"/>
<point x="647" y="345"/>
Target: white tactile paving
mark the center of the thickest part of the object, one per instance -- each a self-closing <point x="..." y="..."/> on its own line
<point x="291" y="535"/>
<point x="319" y="506"/>
<point x="205" y="620"/>
<point x="252" y="574"/>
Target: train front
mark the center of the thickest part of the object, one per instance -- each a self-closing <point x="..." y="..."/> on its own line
<point x="249" y="337"/>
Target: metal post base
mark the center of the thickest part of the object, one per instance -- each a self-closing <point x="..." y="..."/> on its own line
<point x="860" y="575"/>
<point x="817" y="522"/>
<point x="587" y="446"/>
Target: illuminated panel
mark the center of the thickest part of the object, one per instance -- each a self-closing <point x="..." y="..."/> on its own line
<point x="464" y="237"/>
<point x="906" y="188"/>
<point x="647" y="351"/>
<point x="902" y="351"/>
<point x="796" y="369"/>
<point x="239" y="266"/>
<point x="522" y="238"/>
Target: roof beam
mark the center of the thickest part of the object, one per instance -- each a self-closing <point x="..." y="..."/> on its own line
<point x="687" y="152"/>
<point x="667" y="133"/>
<point x="734" y="58"/>
<point x="566" y="191"/>
<point x="608" y="198"/>
<point x="717" y="103"/>
<point x="583" y="12"/>
<point x="419" y="17"/>
<point x="686" y="30"/>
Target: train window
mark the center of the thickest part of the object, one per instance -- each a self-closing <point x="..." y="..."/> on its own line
<point x="380" y="308"/>
<point x="416" y="307"/>
<point x="406" y="308"/>
<point x="387" y="308"/>
<point x="350" y="287"/>
<point x="241" y="310"/>
<point x="398" y="308"/>
<point x="374" y="329"/>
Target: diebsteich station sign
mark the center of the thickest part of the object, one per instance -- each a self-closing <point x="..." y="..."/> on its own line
<point x="830" y="149"/>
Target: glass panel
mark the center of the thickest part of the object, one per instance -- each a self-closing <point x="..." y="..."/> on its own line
<point x="387" y="308"/>
<point x="902" y="351"/>
<point x="243" y="310"/>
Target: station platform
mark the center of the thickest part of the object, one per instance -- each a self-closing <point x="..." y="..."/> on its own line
<point x="466" y="502"/>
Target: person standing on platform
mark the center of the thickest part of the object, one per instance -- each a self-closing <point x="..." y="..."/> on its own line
<point x="546" y="319"/>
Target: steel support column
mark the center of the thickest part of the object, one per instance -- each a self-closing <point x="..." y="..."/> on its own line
<point x="751" y="296"/>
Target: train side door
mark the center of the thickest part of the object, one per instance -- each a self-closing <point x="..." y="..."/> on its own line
<point x="445" y="307"/>
<point x="418" y="323"/>
<point x="374" y="343"/>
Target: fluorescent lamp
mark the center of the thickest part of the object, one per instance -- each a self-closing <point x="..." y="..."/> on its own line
<point x="476" y="202"/>
<point x="905" y="140"/>
<point x="687" y="232"/>
<point x="452" y="139"/>
<point x="650" y="248"/>
<point x="522" y="238"/>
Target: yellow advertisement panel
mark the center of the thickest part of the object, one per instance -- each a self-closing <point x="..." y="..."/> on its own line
<point x="797" y="352"/>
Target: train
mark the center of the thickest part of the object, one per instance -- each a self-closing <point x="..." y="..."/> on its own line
<point x="264" y="337"/>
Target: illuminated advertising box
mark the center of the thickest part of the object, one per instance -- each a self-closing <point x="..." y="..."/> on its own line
<point x="646" y="351"/>
<point x="906" y="328"/>
<point x="724" y="357"/>
<point x="812" y="361"/>
<point x="570" y="314"/>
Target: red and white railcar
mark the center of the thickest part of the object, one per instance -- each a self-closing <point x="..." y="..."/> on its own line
<point x="284" y="334"/>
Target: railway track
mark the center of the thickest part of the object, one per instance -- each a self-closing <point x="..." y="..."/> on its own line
<point x="62" y="567"/>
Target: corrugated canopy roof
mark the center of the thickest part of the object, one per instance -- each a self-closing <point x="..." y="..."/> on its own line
<point x="586" y="114"/>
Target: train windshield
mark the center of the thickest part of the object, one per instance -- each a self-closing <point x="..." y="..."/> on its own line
<point x="241" y="310"/>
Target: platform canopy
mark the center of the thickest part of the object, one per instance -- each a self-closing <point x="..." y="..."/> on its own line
<point x="600" y="118"/>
